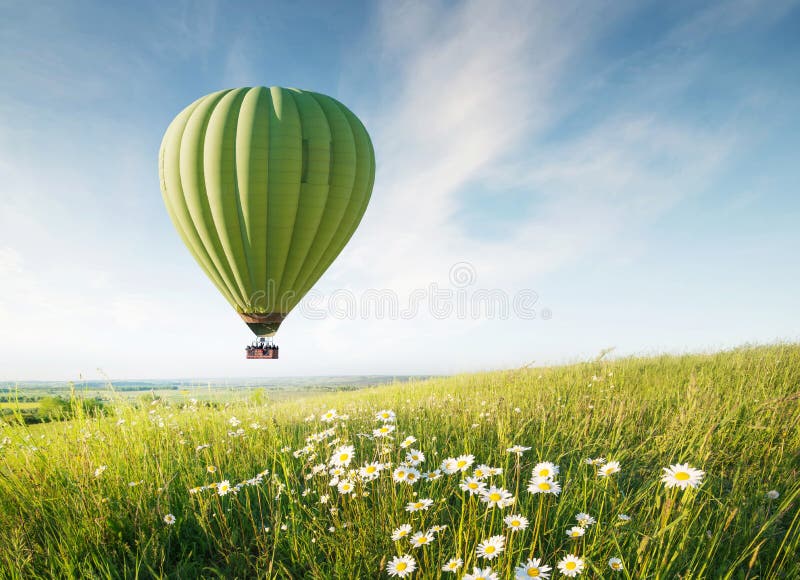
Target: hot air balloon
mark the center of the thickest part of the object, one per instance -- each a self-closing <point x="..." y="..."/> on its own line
<point x="265" y="186"/>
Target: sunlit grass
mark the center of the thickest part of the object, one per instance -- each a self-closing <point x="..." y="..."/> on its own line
<point x="89" y="497"/>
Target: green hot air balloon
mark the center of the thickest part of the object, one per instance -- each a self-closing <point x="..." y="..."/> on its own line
<point x="265" y="187"/>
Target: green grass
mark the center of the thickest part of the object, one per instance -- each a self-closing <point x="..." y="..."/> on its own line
<point x="734" y="415"/>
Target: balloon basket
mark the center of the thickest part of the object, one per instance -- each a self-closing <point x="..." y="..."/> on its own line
<point x="262" y="351"/>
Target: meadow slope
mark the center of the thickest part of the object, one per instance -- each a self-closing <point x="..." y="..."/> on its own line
<point x="95" y="497"/>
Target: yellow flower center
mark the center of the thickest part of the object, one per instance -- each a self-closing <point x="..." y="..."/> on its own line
<point x="533" y="572"/>
<point x="615" y="565"/>
<point x="371" y="469"/>
<point x="682" y="476"/>
<point x="461" y="464"/>
<point x="401" y="474"/>
<point x="472" y="485"/>
<point x="489" y="549"/>
<point x="401" y="566"/>
<point x="423" y="540"/>
<point x="478" y="473"/>
<point x="570" y="565"/>
<point x="343" y="457"/>
<point x="544" y="485"/>
<point x="575" y="534"/>
<point x="494" y="497"/>
<point x="418" y="505"/>
<point x="515" y="523"/>
<point x="544" y="472"/>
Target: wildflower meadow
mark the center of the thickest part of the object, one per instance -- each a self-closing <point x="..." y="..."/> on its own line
<point x="661" y="467"/>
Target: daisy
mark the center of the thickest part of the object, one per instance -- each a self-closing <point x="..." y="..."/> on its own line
<point x="682" y="476"/>
<point x="401" y="566"/>
<point x="433" y="475"/>
<point x="419" y="505"/>
<point x="595" y="461"/>
<point x="571" y="565"/>
<point x="421" y="539"/>
<point x="453" y="564"/>
<point x="383" y="431"/>
<point x="385" y="415"/>
<point x="491" y="548"/>
<point x="544" y="485"/>
<point x="615" y="564"/>
<point x="345" y="487"/>
<point x="223" y="487"/>
<point x="624" y="517"/>
<point x="342" y="456"/>
<point x="463" y="462"/>
<point x="609" y="469"/>
<point x="545" y="469"/>
<point x="495" y="471"/>
<point x="401" y="532"/>
<point x="481" y="574"/>
<point x="408" y="442"/>
<point x="516" y="523"/>
<point x="533" y="568"/>
<point x="585" y="520"/>
<point x="518" y="449"/>
<point x="497" y="497"/>
<point x="576" y="532"/>
<point x="370" y="471"/>
<point x="412" y="476"/>
<point x="415" y="457"/>
<point x="450" y="465"/>
<point x="400" y="474"/>
<point x="169" y="519"/>
<point x="473" y="485"/>
<point x="329" y="416"/>
<point x="211" y="469"/>
<point x="481" y="472"/>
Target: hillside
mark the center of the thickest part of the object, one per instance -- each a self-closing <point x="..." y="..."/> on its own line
<point x="96" y="496"/>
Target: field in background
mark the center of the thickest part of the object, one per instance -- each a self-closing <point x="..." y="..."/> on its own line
<point x="95" y="496"/>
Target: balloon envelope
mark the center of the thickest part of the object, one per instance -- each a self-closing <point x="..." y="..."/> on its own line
<point x="265" y="187"/>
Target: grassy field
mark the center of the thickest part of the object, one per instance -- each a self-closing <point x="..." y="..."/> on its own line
<point x="96" y="496"/>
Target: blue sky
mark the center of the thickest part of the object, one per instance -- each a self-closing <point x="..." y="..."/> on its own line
<point x="633" y="163"/>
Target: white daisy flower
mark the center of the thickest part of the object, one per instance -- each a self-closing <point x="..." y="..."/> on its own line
<point x="412" y="476"/>
<point x="408" y="442"/>
<point x="400" y="474"/>
<point x="624" y="517"/>
<point x="453" y="565"/>
<point x="415" y="457"/>
<point x="491" y="548"/>
<point x="383" y="431"/>
<point x="682" y="476"/>
<point x="433" y="475"/>
<point x="419" y="505"/>
<point x="545" y="469"/>
<point x="342" y="456"/>
<point x="609" y="468"/>
<point x="517" y="449"/>
<point x="616" y="564"/>
<point x="169" y="519"/>
<point x="450" y="465"/>
<point x="576" y="532"/>
<point x="464" y="462"/>
<point x="595" y="461"/>
<point x="585" y="520"/>
<point x="370" y="471"/>
<point x="472" y="485"/>
<point x="421" y="539"/>
<point x="481" y="574"/>
<point x="346" y="487"/>
<point x="401" y="532"/>
<point x="401" y="566"/>
<point x="329" y="416"/>
<point x="385" y="415"/>
<point x="533" y="568"/>
<point x="516" y="523"/>
<point x="571" y="565"/>
<point x="544" y="485"/>
<point x="482" y="471"/>
<point x="223" y="487"/>
<point x="497" y="497"/>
